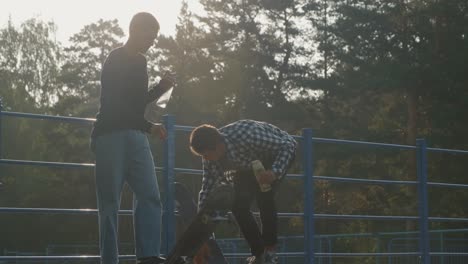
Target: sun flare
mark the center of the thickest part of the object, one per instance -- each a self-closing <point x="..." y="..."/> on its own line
<point x="71" y="16"/>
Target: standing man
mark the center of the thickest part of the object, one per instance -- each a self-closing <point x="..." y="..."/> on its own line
<point x="121" y="146"/>
<point x="234" y="147"/>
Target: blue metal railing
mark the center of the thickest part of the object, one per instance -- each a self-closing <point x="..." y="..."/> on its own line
<point x="309" y="222"/>
<point x="309" y="215"/>
<point x="423" y="206"/>
<point x="169" y="174"/>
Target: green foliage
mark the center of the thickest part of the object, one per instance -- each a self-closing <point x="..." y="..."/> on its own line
<point x="29" y="60"/>
<point x="81" y="68"/>
<point x="383" y="70"/>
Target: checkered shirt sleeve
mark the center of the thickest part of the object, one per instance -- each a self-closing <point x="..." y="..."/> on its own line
<point x="212" y="173"/>
<point x="267" y="138"/>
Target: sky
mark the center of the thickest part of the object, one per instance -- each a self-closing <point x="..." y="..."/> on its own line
<point x="72" y="15"/>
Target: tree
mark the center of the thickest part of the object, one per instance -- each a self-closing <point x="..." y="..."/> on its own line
<point x="80" y="75"/>
<point x="252" y="44"/>
<point x="197" y="95"/>
<point x="383" y="80"/>
<point x="29" y="60"/>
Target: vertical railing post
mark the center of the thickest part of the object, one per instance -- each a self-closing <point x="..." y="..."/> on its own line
<point x="168" y="173"/>
<point x="1" y="117"/>
<point x="319" y="249"/>
<point x="423" y="203"/>
<point x="309" y="221"/>
<point x="330" y="250"/>
<point x="441" y="249"/>
<point x="1" y="138"/>
<point x="379" y="249"/>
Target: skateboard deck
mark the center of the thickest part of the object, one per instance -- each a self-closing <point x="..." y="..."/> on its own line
<point x="196" y="241"/>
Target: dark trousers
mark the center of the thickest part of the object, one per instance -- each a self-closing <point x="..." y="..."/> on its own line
<point x="246" y="189"/>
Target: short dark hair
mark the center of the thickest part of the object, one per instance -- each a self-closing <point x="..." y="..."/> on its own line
<point x="203" y="138"/>
<point x="143" y="21"/>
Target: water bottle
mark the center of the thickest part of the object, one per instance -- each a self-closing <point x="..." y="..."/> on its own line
<point x="164" y="98"/>
<point x="258" y="168"/>
<point x="153" y="109"/>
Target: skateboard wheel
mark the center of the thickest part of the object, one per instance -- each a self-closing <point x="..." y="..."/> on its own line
<point x="205" y="219"/>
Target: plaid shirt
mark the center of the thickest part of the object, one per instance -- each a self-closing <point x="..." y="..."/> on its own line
<point x="246" y="141"/>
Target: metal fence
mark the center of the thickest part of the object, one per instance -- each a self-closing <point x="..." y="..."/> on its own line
<point x="312" y="252"/>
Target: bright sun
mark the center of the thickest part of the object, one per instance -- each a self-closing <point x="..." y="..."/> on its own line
<point x="71" y="16"/>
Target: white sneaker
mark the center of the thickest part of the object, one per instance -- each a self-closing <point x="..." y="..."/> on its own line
<point x="270" y="257"/>
<point x="256" y="260"/>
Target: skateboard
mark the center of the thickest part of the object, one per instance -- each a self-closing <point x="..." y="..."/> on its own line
<point x="196" y="242"/>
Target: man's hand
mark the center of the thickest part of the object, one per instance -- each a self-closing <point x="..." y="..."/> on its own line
<point x="166" y="82"/>
<point x="267" y="177"/>
<point x="159" y="130"/>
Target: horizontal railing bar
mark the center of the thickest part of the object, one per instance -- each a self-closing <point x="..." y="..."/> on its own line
<point x="50" y="117"/>
<point x="371" y="181"/>
<point x="56" y="211"/>
<point x="438" y="231"/>
<point x="368" y="217"/>
<point x="238" y="255"/>
<point x="243" y="255"/>
<point x="366" y="254"/>
<point x="184" y="128"/>
<point x="360" y="254"/>
<point x="352" y="235"/>
<point x="190" y="128"/>
<point x="285" y="214"/>
<point x="355" y="142"/>
<point x="363" y="254"/>
<point x="188" y="171"/>
<point x="46" y="163"/>
<point x="348" y="217"/>
<point x="380" y="217"/>
<point x="235" y="255"/>
<point x="448" y="219"/>
<point x="61" y="211"/>
<point x="57" y="258"/>
<point x="358" y="180"/>
<point x="322" y="216"/>
<point x="94" y="211"/>
<point x="452" y="151"/>
<point x="52" y="164"/>
<point x="199" y="172"/>
<point x="448" y="253"/>
<point x="442" y="184"/>
<point x="329" y="178"/>
<point x="295" y="175"/>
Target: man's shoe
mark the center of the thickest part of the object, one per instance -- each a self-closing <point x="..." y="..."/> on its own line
<point x="150" y="260"/>
<point x="256" y="260"/>
<point x="270" y="257"/>
<point x="185" y="260"/>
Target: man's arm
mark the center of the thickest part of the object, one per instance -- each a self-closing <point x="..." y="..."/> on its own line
<point x="279" y="143"/>
<point x="154" y="93"/>
<point x="211" y="172"/>
<point x="284" y="157"/>
<point x="166" y="83"/>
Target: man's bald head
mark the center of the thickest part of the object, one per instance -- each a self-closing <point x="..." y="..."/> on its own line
<point x="144" y="29"/>
<point x="143" y="22"/>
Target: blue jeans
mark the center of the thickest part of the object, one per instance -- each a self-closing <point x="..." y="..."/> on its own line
<point x="125" y="156"/>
